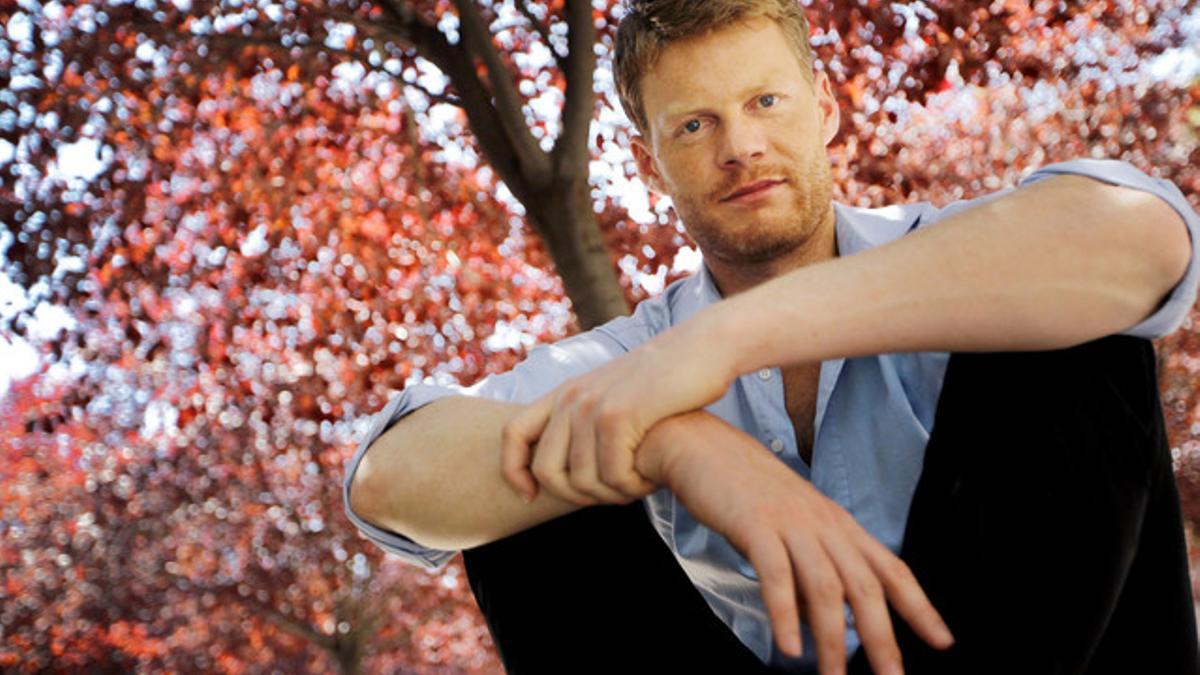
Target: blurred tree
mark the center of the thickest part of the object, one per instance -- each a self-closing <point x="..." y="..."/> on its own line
<point x="265" y="218"/>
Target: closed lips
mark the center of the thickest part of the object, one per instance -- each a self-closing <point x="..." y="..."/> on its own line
<point x="753" y="187"/>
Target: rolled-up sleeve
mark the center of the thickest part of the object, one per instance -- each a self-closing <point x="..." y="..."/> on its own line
<point x="1174" y="309"/>
<point x="411" y="398"/>
<point x="545" y="368"/>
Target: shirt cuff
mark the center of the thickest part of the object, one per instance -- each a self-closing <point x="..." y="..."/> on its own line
<point x="402" y="404"/>
<point x="1171" y="314"/>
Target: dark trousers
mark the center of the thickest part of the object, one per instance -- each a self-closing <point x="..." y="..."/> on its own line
<point x="1045" y="528"/>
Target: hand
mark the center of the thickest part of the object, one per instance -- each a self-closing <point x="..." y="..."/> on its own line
<point x="579" y="440"/>
<point x="810" y="555"/>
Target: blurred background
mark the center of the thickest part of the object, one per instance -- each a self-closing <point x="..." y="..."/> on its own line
<point x="231" y="231"/>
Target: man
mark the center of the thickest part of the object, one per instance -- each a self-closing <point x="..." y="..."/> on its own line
<point x="791" y="419"/>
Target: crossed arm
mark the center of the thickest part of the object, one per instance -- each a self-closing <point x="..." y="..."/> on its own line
<point x="1054" y="264"/>
<point x="1049" y="265"/>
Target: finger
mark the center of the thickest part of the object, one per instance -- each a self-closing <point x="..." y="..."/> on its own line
<point x="550" y="460"/>
<point x="618" y="470"/>
<point x="771" y="562"/>
<point x="617" y="439"/>
<point x="581" y="463"/>
<point x="865" y="593"/>
<point x="825" y="598"/>
<point x="517" y="440"/>
<point x="906" y="593"/>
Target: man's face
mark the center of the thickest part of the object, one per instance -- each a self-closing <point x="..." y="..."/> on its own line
<point x="737" y="138"/>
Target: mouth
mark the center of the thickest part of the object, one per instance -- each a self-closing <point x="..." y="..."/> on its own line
<point x="752" y="190"/>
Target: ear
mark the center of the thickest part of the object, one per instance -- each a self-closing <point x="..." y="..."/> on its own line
<point x="644" y="157"/>
<point x="827" y="106"/>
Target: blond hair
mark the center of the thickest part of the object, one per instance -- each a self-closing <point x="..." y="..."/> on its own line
<point x="649" y="26"/>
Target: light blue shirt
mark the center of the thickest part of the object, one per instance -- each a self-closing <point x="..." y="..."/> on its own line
<point x="873" y="414"/>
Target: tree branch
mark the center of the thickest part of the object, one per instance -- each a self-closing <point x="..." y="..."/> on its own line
<point x="571" y="148"/>
<point x="298" y="628"/>
<point x="235" y="40"/>
<point x="542" y="30"/>
<point x="290" y="625"/>
<point x="457" y="64"/>
<point x="478" y="42"/>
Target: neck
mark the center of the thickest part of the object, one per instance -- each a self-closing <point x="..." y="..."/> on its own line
<point x="734" y="276"/>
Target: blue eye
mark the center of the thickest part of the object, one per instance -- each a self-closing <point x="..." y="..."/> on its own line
<point x="691" y="126"/>
<point x="766" y="100"/>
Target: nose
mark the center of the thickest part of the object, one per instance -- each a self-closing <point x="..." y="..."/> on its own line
<point x="742" y="143"/>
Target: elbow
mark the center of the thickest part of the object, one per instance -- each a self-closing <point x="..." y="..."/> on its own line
<point x="366" y="499"/>
<point x="361" y="502"/>
<point x="1171" y="245"/>
<point x="1159" y="247"/>
<point x="376" y="495"/>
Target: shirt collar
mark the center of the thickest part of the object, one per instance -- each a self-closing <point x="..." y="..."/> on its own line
<point x="857" y="229"/>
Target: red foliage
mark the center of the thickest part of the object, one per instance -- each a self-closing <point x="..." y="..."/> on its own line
<point x="273" y="245"/>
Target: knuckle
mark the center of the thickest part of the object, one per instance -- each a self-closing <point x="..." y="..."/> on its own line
<point x="509" y="433"/>
<point x="608" y="413"/>
<point x="578" y="399"/>
<point x="568" y="393"/>
<point x="613" y="496"/>
<point x="900" y="572"/>
<point x="608" y="474"/>
<point x="628" y="486"/>
<point x="612" y="473"/>
<point x="542" y="473"/>
<point x="511" y="474"/>
<point x="581" y="484"/>
<point x="865" y="587"/>
<point x="774" y="572"/>
<point x="827" y="589"/>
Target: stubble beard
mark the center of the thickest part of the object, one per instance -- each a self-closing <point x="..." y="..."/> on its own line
<point x="766" y="238"/>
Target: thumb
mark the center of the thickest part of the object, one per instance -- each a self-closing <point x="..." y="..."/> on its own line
<point x="517" y="442"/>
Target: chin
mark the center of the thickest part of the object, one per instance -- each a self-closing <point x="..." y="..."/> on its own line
<point x="751" y="250"/>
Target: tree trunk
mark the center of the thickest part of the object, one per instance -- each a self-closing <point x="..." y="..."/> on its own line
<point x="564" y="217"/>
<point x="349" y="659"/>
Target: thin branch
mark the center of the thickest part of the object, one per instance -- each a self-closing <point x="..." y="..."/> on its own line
<point x="292" y="626"/>
<point x="235" y="40"/>
<point x="311" y="48"/>
<point x="571" y="149"/>
<point x="478" y="42"/>
<point x="515" y="168"/>
<point x="298" y="628"/>
<point x="457" y="64"/>
<point x="523" y="7"/>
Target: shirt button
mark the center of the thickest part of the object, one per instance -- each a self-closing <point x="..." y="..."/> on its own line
<point x="764" y="374"/>
<point x="777" y="445"/>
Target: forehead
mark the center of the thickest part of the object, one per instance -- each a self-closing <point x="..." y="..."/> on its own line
<point x="706" y="70"/>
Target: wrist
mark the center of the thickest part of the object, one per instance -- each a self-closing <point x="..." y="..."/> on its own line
<point x="725" y="337"/>
<point x="669" y="442"/>
<point x="659" y="449"/>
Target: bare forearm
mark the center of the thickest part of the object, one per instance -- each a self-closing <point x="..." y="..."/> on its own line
<point x="1048" y="266"/>
<point x="435" y="477"/>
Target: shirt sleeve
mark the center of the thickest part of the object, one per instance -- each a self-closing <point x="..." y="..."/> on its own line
<point x="545" y="368"/>
<point x="1174" y="309"/>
